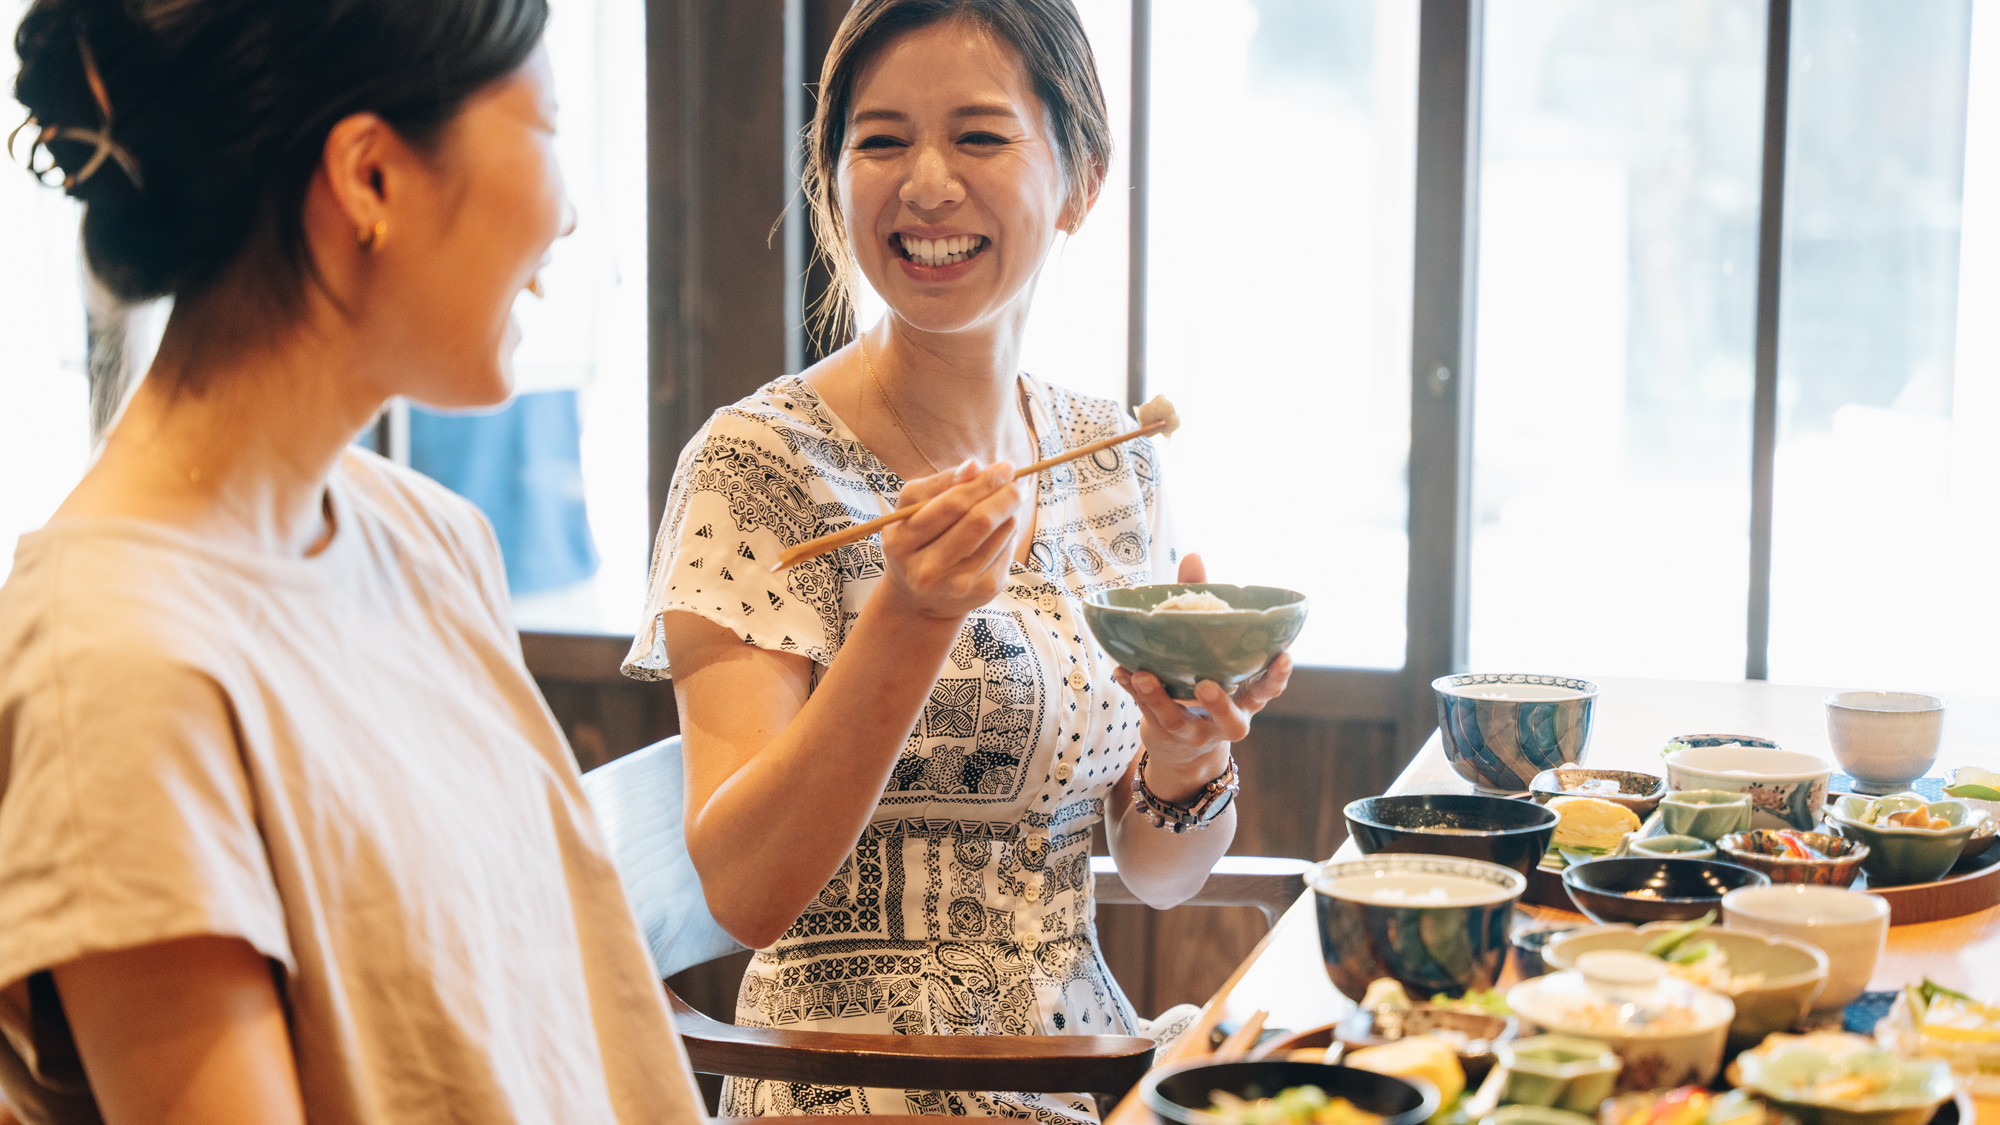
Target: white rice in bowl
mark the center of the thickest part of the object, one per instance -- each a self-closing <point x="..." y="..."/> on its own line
<point x="1193" y="601"/>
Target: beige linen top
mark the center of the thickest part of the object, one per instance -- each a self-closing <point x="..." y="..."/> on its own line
<point x="342" y="761"/>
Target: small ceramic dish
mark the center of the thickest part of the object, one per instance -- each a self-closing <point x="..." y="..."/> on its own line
<point x="1836" y="862"/>
<point x="1640" y="792"/>
<point x="1772" y="979"/>
<point x="1900" y="854"/>
<point x="1675" y="847"/>
<point x="1834" y="1078"/>
<point x="1559" y="1071"/>
<point x="1496" y="829"/>
<point x="1786" y="788"/>
<point x="1977" y="789"/>
<point x="1641" y="889"/>
<point x="1228" y="646"/>
<point x="1706" y="814"/>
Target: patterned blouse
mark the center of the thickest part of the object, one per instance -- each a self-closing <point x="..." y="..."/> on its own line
<point x="966" y="905"/>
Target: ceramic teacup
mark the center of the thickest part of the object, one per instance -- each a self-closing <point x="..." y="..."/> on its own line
<point x="1885" y="739"/>
<point x="1673" y="847"/>
<point x="1850" y="927"/>
<point x="1706" y="814"/>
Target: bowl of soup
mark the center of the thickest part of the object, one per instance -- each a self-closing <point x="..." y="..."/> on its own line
<point x="1434" y="924"/>
<point x="1185" y="632"/>
<point x="1496" y="829"/>
<point x="1500" y="729"/>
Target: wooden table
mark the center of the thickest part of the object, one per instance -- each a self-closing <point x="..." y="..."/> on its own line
<point x="1631" y="721"/>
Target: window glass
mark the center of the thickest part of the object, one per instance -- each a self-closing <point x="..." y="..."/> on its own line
<point x="1889" y="412"/>
<point x="44" y="401"/>
<point x="1613" y="366"/>
<point x="1280" y="192"/>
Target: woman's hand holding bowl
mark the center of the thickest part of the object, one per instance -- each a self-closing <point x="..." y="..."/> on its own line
<point x="952" y="557"/>
<point x="1187" y="742"/>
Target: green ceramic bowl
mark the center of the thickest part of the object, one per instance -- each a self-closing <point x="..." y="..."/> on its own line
<point x="1897" y="854"/>
<point x="1229" y="647"/>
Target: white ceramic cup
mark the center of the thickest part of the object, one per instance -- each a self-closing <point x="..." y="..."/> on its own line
<point x="1886" y="739"/>
<point x="1850" y="927"/>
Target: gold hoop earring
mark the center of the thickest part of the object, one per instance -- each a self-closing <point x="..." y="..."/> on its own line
<point x="372" y="238"/>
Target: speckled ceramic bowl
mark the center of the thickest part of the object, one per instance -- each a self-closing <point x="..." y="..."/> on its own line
<point x="1640" y="792"/>
<point x="1501" y="729"/>
<point x="1761" y="849"/>
<point x="1182" y="648"/>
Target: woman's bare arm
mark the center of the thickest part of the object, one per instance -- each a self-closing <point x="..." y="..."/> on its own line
<point x="183" y="1032"/>
<point x="781" y="785"/>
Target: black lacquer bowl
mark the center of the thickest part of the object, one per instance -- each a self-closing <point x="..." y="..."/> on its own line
<point x="1183" y="1094"/>
<point x="1498" y="830"/>
<point x="1641" y="889"/>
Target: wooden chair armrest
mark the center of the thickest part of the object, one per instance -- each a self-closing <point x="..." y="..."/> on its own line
<point x="1097" y="1064"/>
<point x="1269" y="883"/>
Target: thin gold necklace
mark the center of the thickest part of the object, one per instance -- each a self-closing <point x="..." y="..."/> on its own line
<point x="894" y="413"/>
<point x="1020" y="403"/>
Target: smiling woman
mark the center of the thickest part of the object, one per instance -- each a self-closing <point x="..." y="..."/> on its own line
<point x="897" y="751"/>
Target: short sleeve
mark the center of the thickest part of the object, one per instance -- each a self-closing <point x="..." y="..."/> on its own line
<point x="745" y="490"/>
<point x="126" y="819"/>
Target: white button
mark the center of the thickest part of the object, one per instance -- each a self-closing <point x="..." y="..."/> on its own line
<point x="1030" y="942"/>
<point x="1077" y="679"/>
<point x="1064" y="771"/>
<point x="1033" y="891"/>
<point x="1046" y="601"/>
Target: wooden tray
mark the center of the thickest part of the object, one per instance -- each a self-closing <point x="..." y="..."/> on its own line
<point x="1968" y="888"/>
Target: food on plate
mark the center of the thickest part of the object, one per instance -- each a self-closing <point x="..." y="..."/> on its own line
<point x="1973" y="782"/>
<point x="1915" y="818"/>
<point x="1930" y="1019"/>
<point x="1158" y="409"/>
<point x="1485" y="1001"/>
<point x="1294" y="1105"/>
<point x="1839" y="1072"/>
<point x="1684" y="1105"/>
<point x="1591" y="825"/>
<point x="1193" y="601"/>
<point x="1428" y="1057"/>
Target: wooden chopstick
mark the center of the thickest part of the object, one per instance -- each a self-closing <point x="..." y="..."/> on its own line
<point x="1243" y="1038"/>
<point x="813" y="548"/>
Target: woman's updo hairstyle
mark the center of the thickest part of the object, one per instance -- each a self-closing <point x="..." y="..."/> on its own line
<point x="1047" y="34"/>
<point x="223" y="108"/>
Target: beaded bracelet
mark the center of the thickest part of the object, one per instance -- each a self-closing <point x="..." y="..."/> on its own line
<point x="1200" y="812"/>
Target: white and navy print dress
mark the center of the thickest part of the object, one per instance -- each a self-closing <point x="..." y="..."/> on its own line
<point x="965" y="908"/>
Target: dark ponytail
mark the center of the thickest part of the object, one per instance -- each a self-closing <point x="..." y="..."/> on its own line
<point x="222" y="108"/>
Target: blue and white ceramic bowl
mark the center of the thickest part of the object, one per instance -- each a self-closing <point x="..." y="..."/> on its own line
<point x="1433" y="923"/>
<point x="1500" y="730"/>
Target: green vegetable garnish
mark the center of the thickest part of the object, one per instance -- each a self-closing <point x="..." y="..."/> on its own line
<point x="1488" y="1001"/>
<point x="1672" y="747"/>
<point x="1974" y="791"/>
<point x="1664" y="945"/>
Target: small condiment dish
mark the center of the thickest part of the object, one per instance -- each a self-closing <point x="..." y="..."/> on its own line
<point x="1835" y="861"/>
<point x="1706" y="814"/>
<point x="1559" y="1071"/>
<point x="1902" y="853"/>
<point x="1666" y="1031"/>
<point x="1676" y="847"/>
<point x="1640" y="792"/>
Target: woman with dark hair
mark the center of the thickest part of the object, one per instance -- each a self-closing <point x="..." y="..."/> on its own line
<point x="896" y="752"/>
<point x="286" y="831"/>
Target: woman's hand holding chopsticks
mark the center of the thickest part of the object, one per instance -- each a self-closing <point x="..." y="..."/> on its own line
<point x="952" y="556"/>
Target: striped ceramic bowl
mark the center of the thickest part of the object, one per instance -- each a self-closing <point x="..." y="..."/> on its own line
<point x="1501" y="729"/>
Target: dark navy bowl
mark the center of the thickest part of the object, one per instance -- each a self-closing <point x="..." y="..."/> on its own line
<point x="1496" y="829"/>
<point x="1183" y="1094"/>
<point x="1454" y="941"/>
<point x="1641" y="889"/>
